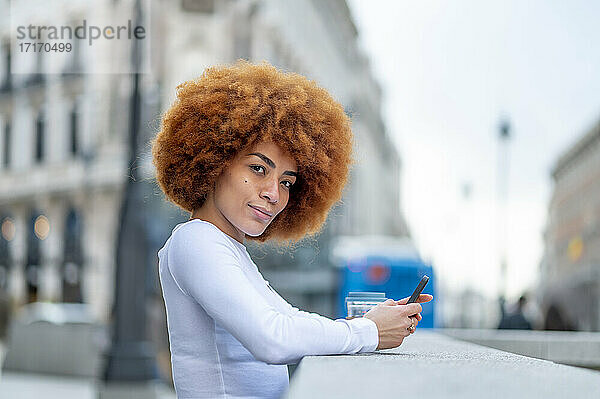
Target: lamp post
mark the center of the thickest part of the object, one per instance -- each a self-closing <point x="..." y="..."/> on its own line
<point x="503" y="164"/>
<point x="130" y="368"/>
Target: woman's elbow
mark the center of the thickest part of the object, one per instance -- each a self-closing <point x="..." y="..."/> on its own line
<point x="271" y="354"/>
<point x="273" y="351"/>
<point x="275" y="345"/>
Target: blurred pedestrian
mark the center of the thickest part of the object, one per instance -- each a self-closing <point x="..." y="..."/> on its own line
<point x="515" y="320"/>
<point x="256" y="154"/>
<point x="556" y="321"/>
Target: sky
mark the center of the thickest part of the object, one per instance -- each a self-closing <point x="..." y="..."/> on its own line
<point x="449" y="72"/>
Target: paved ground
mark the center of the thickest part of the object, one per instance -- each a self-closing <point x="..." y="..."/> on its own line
<point x="34" y="386"/>
<point x="29" y="386"/>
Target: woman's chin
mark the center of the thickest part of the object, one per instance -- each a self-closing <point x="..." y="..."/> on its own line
<point x="254" y="234"/>
<point x="256" y="231"/>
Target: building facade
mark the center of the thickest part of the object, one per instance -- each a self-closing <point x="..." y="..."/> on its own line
<point x="570" y="269"/>
<point x="63" y="143"/>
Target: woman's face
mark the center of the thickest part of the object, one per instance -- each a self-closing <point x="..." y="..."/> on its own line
<point x="251" y="192"/>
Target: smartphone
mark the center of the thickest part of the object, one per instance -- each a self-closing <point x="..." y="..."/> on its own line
<point x="419" y="289"/>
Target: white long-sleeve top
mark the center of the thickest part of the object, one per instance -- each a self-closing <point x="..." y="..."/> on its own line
<point x="231" y="335"/>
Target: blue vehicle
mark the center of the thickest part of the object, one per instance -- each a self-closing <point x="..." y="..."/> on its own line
<point x="382" y="264"/>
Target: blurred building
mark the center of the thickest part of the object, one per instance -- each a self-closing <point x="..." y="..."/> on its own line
<point x="570" y="269"/>
<point x="63" y="140"/>
<point x="319" y="39"/>
<point x="483" y="311"/>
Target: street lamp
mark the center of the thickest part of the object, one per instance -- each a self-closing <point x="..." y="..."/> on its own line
<point x="504" y="135"/>
<point x="130" y="369"/>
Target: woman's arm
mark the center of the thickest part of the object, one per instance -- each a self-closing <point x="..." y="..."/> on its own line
<point x="294" y="311"/>
<point x="206" y="268"/>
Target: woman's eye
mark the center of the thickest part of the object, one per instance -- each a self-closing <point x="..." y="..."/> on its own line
<point x="261" y="169"/>
<point x="287" y="184"/>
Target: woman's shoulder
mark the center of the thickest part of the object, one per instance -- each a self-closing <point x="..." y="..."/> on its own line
<point x="201" y="233"/>
<point x="202" y="243"/>
<point x="198" y="227"/>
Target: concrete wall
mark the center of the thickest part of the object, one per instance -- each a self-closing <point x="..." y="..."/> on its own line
<point x="430" y="365"/>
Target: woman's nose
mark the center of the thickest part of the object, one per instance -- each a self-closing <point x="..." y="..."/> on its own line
<point x="271" y="191"/>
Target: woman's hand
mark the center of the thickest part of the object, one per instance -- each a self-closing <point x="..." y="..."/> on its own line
<point x="423" y="298"/>
<point x="393" y="318"/>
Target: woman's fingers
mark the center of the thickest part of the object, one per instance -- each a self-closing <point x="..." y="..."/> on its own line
<point x="403" y="301"/>
<point x="413" y="325"/>
<point x="389" y="302"/>
<point x="411" y="309"/>
<point x="423" y="298"/>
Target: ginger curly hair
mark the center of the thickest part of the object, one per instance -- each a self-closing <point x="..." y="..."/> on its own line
<point x="229" y="108"/>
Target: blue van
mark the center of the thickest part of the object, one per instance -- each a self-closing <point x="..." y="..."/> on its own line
<point x="382" y="264"/>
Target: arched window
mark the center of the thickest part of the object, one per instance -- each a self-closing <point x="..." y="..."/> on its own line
<point x="74" y="129"/>
<point x="7" y="233"/>
<point x="40" y="132"/>
<point x="7" y="143"/>
<point x="32" y="266"/>
<point x="6" y="84"/>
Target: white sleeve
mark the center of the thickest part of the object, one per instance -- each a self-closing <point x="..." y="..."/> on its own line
<point x="294" y="310"/>
<point x="208" y="270"/>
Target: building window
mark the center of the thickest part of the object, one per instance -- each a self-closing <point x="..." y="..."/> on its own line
<point x="200" y="6"/>
<point x="7" y="143"/>
<point x="6" y="83"/>
<point x="32" y="267"/>
<point x="72" y="64"/>
<point x="73" y="124"/>
<point x="39" y="137"/>
<point x="7" y="233"/>
<point x="242" y="33"/>
<point x="37" y="77"/>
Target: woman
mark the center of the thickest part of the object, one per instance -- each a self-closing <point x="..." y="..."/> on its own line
<point x="253" y="154"/>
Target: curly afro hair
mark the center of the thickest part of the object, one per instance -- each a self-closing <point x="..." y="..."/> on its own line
<point x="230" y="108"/>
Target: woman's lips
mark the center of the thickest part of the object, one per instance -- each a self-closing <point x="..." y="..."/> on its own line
<point x="260" y="214"/>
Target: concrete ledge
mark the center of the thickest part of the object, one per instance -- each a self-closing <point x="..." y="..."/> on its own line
<point x="431" y="365"/>
<point x="567" y="347"/>
<point x="56" y="339"/>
